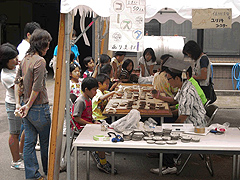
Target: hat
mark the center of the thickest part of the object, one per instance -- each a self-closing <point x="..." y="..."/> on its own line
<point x="176" y="66"/>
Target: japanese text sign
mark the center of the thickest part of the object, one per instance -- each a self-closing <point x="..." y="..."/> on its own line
<point x="211" y="18"/>
<point x="126" y="28"/>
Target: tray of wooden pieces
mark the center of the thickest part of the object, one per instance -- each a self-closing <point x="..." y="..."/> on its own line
<point x="142" y="101"/>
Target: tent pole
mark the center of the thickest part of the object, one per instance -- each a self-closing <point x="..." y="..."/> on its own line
<point x="58" y="107"/>
<point x="68" y="34"/>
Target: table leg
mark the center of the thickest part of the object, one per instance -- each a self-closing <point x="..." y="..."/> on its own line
<point x="160" y="163"/>
<point x="113" y="162"/>
<point x="75" y="163"/>
<point x="88" y="166"/>
<point x="234" y="167"/>
<point x="162" y="120"/>
<point x="113" y="118"/>
<point x="238" y="163"/>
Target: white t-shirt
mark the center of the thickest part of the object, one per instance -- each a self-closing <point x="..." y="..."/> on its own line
<point x="7" y="78"/>
<point x="149" y="63"/>
<point x="22" y="49"/>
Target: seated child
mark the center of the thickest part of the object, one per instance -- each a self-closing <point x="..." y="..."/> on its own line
<point x="104" y="59"/>
<point x="117" y="62"/>
<point x="89" y="64"/>
<point x="75" y="81"/>
<point x="127" y="69"/>
<point x="160" y="81"/>
<point x="82" y="115"/>
<point x="100" y="100"/>
<point x="107" y="69"/>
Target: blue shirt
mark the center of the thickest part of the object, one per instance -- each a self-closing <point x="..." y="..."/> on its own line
<point x="74" y="49"/>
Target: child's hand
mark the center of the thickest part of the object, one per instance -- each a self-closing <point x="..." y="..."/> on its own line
<point x="119" y="93"/>
<point x="155" y="94"/>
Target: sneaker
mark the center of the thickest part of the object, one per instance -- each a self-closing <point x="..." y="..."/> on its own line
<point x="95" y="157"/>
<point x="37" y="147"/>
<point x="41" y="178"/>
<point x="156" y="170"/>
<point x="169" y="170"/>
<point x="106" y="168"/>
<point x="177" y="162"/>
<point x="21" y="156"/>
<point x="19" y="165"/>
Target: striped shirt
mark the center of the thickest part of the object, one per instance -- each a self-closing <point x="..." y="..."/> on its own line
<point x="190" y="104"/>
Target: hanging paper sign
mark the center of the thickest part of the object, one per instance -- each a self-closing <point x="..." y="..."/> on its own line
<point x="126" y="28"/>
<point x="211" y="18"/>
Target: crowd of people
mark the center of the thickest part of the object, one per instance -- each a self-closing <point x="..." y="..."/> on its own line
<point x="24" y="75"/>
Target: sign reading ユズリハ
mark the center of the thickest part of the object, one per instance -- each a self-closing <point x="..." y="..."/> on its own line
<point x="211" y="18"/>
<point x="126" y="29"/>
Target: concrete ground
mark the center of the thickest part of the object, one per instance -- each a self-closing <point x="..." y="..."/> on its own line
<point x="132" y="166"/>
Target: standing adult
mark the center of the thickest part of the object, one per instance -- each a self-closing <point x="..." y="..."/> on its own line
<point x="202" y="66"/>
<point x="35" y="111"/>
<point x="24" y="45"/>
<point x="8" y="60"/>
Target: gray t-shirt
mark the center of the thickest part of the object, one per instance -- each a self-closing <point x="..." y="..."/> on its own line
<point x="79" y="106"/>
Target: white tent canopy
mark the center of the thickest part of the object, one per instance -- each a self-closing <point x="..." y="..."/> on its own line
<point x="183" y="8"/>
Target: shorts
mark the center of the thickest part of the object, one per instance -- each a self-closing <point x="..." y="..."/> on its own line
<point x="14" y="122"/>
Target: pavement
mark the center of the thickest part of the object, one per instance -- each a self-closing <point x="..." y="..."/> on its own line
<point x="132" y="166"/>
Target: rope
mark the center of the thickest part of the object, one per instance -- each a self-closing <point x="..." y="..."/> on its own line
<point x="236" y="75"/>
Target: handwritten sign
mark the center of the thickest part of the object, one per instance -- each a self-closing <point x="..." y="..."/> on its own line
<point x="211" y="18"/>
<point x="126" y="28"/>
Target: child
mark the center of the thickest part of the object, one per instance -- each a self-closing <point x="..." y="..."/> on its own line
<point x="107" y="69"/>
<point x="147" y="62"/>
<point x="101" y="98"/>
<point x="75" y="81"/>
<point x="82" y="114"/>
<point x="117" y="62"/>
<point x="160" y="81"/>
<point x="104" y="59"/>
<point x="89" y="64"/>
<point x="127" y="69"/>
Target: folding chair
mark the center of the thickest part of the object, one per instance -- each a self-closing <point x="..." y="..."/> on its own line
<point x="211" y="110"/>
<point x="73" y="134"/>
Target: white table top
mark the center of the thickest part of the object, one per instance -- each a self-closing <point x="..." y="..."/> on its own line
<point x="227" y="142"/>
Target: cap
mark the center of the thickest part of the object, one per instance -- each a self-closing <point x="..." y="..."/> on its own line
<point x="176" y="66"/>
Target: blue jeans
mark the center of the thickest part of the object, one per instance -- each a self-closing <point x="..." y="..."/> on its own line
<point x="38" y="121"/>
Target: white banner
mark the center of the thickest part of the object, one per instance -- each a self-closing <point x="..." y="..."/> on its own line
<point x="126" y="29"/>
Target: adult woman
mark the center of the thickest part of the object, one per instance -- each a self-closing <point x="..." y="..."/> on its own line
<point x="202" y="69"/>
<point x="147" y="62"/>
<point x="35" y="111"/>
<point x="9" y="60"/>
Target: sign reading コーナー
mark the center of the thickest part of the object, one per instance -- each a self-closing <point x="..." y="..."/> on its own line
<point x="126" y="28"/>
<point x="211" y="18"/>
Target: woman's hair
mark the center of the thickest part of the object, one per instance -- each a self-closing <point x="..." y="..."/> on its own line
<point x="39" y="41"/>
<point x="73" y="67"/>
<point x="151" y="52"/>
<point x="164" y="58"/>
<point x="86" y="60"/>
<point x="104" y="58"/>
<point x="126" y="63"/>
<point x="192" y="48"/>
<point x="106" y="69"/>
<point x="7" y="52"/>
